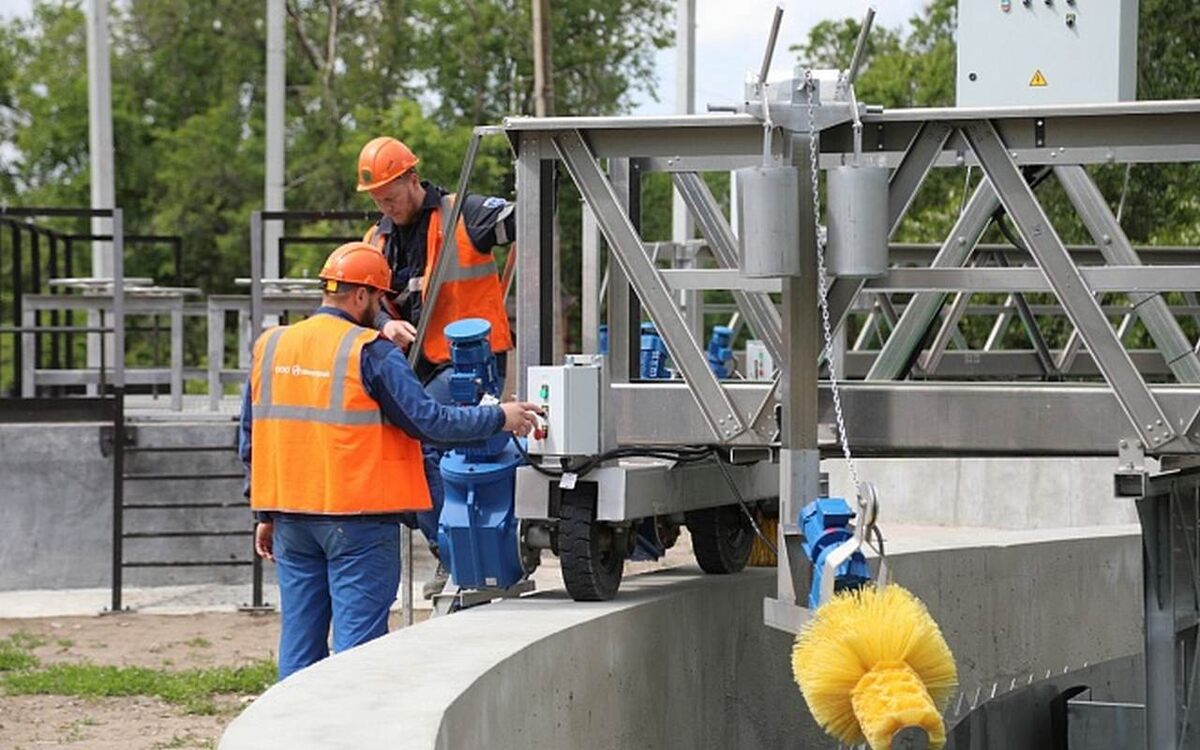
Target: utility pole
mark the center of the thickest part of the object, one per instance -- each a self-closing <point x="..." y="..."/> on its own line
<point x="543" y="106"/>
<point x="543" y="72"/>
<point x="100" y="152"/>
<point x="275" y="138"/>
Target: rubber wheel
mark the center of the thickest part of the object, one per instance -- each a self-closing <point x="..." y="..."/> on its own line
<point x="591" y="563"/>
<point x="722" y="538"/>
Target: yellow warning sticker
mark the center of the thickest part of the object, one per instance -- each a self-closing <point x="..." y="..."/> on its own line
<point x="1038" y="79"/>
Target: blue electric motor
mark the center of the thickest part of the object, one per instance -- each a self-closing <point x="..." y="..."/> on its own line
<point x="826" y="525"/>
<point x="655" y="359"/>
<point x="478" y="529"/>
<point x="720" y="352"/>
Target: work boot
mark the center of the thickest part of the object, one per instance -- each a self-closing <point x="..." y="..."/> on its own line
<point x="435" y="586"/>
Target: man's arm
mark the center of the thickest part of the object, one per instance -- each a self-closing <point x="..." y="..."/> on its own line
<point x="245" y="429"/>
<point x="490" y="221"/>
<point x="390" y="380"/>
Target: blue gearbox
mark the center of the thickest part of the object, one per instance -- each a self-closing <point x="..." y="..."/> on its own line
<point x="478" y="531"/>
<point x="826" y="526"/>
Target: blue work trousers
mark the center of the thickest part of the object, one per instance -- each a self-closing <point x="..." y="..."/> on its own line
<point x="343" y="571"/>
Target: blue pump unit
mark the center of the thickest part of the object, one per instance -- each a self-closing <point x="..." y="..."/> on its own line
<point x="826" y="525"/>
<point x="478" y="531"/>
<point x="720" y="352"/>
<point x="655" y="359"/>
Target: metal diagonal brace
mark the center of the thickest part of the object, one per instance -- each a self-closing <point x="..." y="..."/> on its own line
<point x="1148" y="418"/>
<point x="1117" y="251"/>
<point x="757" y="308"/>
<point x="922" y="309"/>
<point x="433" y="284"/>
<point x="627" y="250"/>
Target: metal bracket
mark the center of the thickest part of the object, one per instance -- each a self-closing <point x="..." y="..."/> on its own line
<point x="1131" y="478"/>
<point x="106" y="439"/>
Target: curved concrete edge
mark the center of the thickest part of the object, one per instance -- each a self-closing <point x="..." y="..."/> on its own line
<point x="682" y="660"/>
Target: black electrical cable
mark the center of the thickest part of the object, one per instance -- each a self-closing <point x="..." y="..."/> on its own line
<point x="683" y="454"/>
<point x="737" y="493"/>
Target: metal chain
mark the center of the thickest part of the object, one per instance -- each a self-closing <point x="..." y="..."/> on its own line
<point x="822" y="284"/>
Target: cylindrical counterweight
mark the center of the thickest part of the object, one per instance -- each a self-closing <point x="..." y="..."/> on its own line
<point x="769" y="202"/>
<point x="858" y="221"/>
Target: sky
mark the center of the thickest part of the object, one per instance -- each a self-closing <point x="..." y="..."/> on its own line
<point x="730" y="38"/>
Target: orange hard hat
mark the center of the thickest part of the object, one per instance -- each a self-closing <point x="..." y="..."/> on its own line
<point x="357" y="263"/>
<point x="382" y="160"/>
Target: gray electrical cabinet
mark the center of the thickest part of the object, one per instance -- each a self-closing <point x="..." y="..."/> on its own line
<point x="1032" y="52"/>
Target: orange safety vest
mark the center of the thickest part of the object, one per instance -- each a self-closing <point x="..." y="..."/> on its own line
<point x="320" y="443"/>
<point x="470" y="288"/>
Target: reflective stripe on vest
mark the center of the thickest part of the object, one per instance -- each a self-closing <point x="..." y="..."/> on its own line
<point x="335" y="413"/>
<point x="320" y="443"/>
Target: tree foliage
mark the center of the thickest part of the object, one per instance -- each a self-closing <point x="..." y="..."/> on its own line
<point x="188" y="100"/>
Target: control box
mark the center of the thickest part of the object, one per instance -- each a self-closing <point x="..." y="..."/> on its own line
<point x="569" y="396"/>
<point x="1046" y="52"/>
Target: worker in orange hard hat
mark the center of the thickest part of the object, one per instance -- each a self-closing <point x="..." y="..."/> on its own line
<point x="409" y="234"/>
<point x="332" y="420"/>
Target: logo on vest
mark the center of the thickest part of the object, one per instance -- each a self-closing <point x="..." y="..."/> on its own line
<point x="300" y="372"/>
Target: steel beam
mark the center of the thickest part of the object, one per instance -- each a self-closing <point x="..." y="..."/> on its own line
<point x="534" y="194"/>
<point x="1098" y="279"/>
<point x="589" y="287"/>
<point x="623" y="341"/>
<point x="1115" y="246"/>
<point x="723" y="420"/>
<point x="912" y="419"/>
<point x="1151" y="424"/>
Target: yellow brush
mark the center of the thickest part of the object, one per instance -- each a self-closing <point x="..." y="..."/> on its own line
<point x="872" y="662"/>
<point x="761" y="555"/>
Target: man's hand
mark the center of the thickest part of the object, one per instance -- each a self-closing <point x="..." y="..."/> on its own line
<point x="399" y="332"/>
<point x="520" y="417"/>
<point x="263" y="538"/>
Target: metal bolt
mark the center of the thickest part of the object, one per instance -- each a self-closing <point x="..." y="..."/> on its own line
<point x="1124" y="444"/>
<point x="1107" y="240"/>
<point x="962" y="240"/>
<point x="1158" y="422"/>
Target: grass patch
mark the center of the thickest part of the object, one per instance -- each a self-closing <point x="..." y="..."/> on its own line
<point x="193" y="688"/>
<point x="65" y="642"/>
<point x="14" y="652"/>
<point x="199" y="642"/>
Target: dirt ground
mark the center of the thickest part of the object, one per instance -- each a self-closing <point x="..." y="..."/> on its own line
<point x="158" y="641"/>
<point x="171" y="642"/>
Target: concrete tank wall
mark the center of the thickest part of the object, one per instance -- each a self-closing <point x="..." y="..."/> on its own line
<point x="1000" y="493"/>
<point x="682" y="660"/>
<point x="56" y="496"/>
